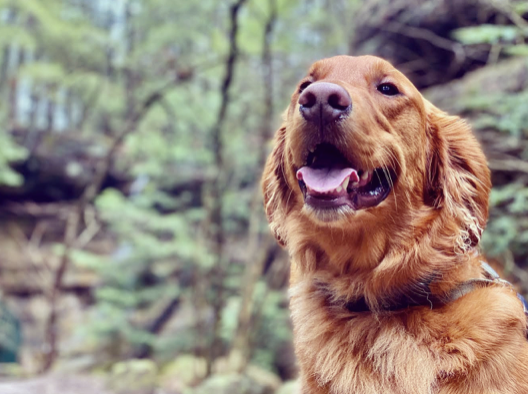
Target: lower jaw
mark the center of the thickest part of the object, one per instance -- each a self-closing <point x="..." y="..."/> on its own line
<point x="330" y="214"/>
<point x="336" y="207"/>
<point x="331" y="210"/>
<point x="328" y="204"/>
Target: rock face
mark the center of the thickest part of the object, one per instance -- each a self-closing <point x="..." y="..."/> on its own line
<point x="134" y="377"/>
<point x="232" y="384"/>
<point x="58" y="167"/>
<point x="184" y="371"/>
<point x="253" y="380"/>
<point x="416" y="36"/>
<point x="509" y="76"/>
<point x="493" y="100"/>
<point x="290" y="387"/>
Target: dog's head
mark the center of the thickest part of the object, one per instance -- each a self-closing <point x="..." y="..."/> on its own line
<point x="361" y="152"/>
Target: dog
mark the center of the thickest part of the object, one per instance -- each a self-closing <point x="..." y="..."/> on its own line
<point x="381" y="200"/>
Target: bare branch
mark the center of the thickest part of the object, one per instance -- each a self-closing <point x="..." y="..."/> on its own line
<point x="509" y="164"/>
<point x="427" y="35"/>
<point x="506" y="8"/>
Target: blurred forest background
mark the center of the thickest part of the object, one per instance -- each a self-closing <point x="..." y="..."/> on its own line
<point x="134" y="253"/>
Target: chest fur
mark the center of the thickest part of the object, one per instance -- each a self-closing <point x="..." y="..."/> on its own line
<point x="359" y="353"/>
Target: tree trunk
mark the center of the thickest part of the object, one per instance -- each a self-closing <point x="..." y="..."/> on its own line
<point x="216" y="226"/>
<point x="238" y="357"/>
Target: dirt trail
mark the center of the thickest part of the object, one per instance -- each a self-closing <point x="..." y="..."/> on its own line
<point x="56" y="384"/>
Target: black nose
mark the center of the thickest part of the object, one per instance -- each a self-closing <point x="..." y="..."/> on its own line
<point x="324" y="102"/>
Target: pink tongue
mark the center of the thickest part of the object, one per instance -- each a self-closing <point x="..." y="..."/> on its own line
<point x="324" y="180"/>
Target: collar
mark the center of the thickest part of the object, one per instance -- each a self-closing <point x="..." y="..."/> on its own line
<point x="422" y="295"/>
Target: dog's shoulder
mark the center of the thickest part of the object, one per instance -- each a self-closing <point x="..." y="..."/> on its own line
<point x="483" y="340"/>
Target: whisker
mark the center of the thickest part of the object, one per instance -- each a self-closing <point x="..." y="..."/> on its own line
<point x="289" y="196"/>
<point x="386" y="171"/>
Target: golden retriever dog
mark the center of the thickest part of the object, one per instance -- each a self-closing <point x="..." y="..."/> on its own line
<point x="381" y="200"/>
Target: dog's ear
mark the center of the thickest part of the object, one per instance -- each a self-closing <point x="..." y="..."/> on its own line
<point x="275" y="188"/>
<point x="457" y="177"/>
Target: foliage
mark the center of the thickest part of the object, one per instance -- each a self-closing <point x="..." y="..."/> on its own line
<point x="154" y="257"/>
<point x="488" y="34"/>
<point x="508" y="229"/>
<point x="506" y="113"/>
<point x="10" y="152"/>
<point x="95" y="64"/>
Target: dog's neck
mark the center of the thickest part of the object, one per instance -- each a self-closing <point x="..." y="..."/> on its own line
<point x="352" y="293"/>
<point x="422" y="271"/>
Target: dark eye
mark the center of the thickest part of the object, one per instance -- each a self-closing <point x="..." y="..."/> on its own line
<point x="388" y="89"/>
<point x="304" y="85"/>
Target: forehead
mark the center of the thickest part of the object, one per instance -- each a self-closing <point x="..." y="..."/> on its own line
<point x="354" y="69"/>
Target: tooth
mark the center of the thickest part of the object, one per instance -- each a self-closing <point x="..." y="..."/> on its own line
<point x="365" y="175"/>
<point x="344" y="185"/>
<point x="354" y="184"/>
<point x="312" y="150"/>
<point x="339" y="188"/>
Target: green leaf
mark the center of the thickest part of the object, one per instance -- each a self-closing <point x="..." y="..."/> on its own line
<point x="41" y="72"/>
<point x="517" y="50"/>
<point x="487" y="34"/>
<point x="10" y="152"/>
<point x="16" y="35"/>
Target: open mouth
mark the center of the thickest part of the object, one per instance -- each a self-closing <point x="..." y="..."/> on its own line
<point x="328" y="181"/>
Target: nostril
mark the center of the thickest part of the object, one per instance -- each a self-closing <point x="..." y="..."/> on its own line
<point x="324" y="103"/>
<point x="339" y="101"/>
<point x="307" y="99"/>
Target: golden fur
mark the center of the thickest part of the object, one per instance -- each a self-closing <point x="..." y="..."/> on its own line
<point x="429" y="226"/>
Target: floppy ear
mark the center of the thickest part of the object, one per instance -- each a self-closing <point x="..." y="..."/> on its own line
<point x="458" y="178"/>
<point x="275" y="188"/>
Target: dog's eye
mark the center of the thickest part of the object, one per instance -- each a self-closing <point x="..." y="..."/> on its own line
<point x="388" y="89"/>
<point x="304" y="85"/>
